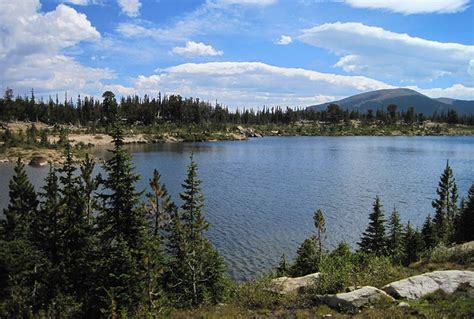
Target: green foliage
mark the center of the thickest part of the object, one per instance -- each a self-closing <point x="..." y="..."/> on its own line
<point x="196" y="271"/>
<point x="374" y="239"/>
<point x="23" y="270"/>
<point x="465" y="223"/>
<point x="414" y="245"/>
<point x="395" y="237"/>
<point x="22" y="206"/>
<point x="445" y="206"/>
<point x="307" y="259"/>
<point x="284" y="267"/>
<point x="121" y="215"/>
<point x="256" y="294"/>
<point x="320" y="225"/>
<point x="428" y="233"/>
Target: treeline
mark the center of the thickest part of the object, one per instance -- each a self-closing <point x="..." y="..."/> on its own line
<point x="385" y="242"/>
<point x="87" y="247"/>
<point x="92" y="112"/>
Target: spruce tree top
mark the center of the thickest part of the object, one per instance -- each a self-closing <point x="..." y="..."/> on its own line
<point x="374" y="239"/>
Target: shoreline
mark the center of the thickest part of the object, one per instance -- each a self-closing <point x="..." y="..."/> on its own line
<point x="82" y="141"/>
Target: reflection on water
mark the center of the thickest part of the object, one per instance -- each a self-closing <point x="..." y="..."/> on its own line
<point x="260" y="194"/>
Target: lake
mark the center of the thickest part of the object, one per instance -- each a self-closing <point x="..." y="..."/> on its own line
<point x="261" y="194"/>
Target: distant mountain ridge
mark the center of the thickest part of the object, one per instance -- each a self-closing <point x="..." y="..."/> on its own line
<point x="403" y="98"/>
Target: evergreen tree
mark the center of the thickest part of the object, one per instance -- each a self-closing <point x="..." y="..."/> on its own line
<point x="320" y="225"/>
<point x="428" y="233"/>
<point x="307" y="258"/>
<point x="465" y="225"/>
<point x="121" y="213"/>
<point x="374" y="239"/>
<point x="284" y="267"/>
<point x="196" y="269"/>
<point x="395" y="235"/>
<point x="160" y="209"/>
<point x="160" y="205"/>
<point x="22" y="207"/>
<point x="89" y="186"/>
<point x="122" y="231"/>
<point x="413" y="245"/>
<point x="76" y="237"/>
<point x="445" y="205"/>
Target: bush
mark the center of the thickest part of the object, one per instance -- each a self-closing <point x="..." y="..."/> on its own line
<point x="256" y="294"/>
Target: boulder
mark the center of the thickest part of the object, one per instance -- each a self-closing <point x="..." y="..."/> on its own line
<point x="418" y="286"/>
<point x="286" y="285"/>
<point x="356" y="299"/>
<point x="248" y="132"/>
<point x="38" y="161"/>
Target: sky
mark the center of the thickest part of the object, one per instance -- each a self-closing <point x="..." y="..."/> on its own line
<point x="240" y="53"/>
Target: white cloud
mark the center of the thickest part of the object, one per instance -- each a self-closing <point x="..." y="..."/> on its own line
<point x="32" y="44"/>
<point x="412" y="6"/>
<point x="82" y="2"/>
<point x="259" y="3"/>
<point x="456" y="91"/>
<point x="196" y="48"/>
<point x="284" y="40"/>
<point x="379" y="53"/>
<point x="255" y="84"/>
<point x="130" y="7"/>
<point x="212" y="17"/>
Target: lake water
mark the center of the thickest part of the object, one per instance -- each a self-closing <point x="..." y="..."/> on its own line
<point x="261" y="194"/>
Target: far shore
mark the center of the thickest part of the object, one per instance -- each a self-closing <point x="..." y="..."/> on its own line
<point x="83" y="139"/>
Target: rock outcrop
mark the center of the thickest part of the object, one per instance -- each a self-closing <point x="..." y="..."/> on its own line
<point x="38" y="161"/>
<point x="286" y="285"/>
<point x="418" y="286"/>
<point x="356" y="299"/>
<point x="248" y="132"/>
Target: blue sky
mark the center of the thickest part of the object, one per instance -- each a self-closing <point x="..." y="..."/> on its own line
<point x="239" y="52"/>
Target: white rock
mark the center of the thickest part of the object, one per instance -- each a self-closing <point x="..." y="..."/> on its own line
<point x="286" y="285"/>
<point x="356" y="299"/>
<point x="418" y="286"/>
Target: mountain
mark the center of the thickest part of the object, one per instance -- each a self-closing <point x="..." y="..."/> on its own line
<point x="403" y="98"/>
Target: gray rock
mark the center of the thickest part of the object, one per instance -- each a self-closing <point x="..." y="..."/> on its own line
<point x="418" y="286"/>
<point x="404" y="305"/>
<point x="356" y="299"/>
<point x="286" y="285"/>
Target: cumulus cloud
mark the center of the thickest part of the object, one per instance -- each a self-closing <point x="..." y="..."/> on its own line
<point x="284" y="40"/>
<point x="254" y="84"/>
<point x="379" y="53"/>
<point x="130" y="7"/>
<point x="196" y="49"/>
<point x="32" y="59"/>
<point x="412" y="6"/>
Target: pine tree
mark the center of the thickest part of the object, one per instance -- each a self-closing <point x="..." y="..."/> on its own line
<point x="374" y="239"/>
<point x="465" y="225"/>
<point x="160" y="209"/>
<point x="160" y="205"/>
<point x="284" y="267"/>
<point x="395" y="235"/>
<point x="428" y="233"/>
<point x="76" y="236"/>
<point x="307" y="258"/>
<point x="121" y="213"/>
<point x="196" y="269"/>
<point x="22" y="207"/>
<point x="122" y="231"/>
<point x="320" y="225"/>
<point x="89" y="186"/>
<point x="413" y="243"/>
<point x="445" y="205"/>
